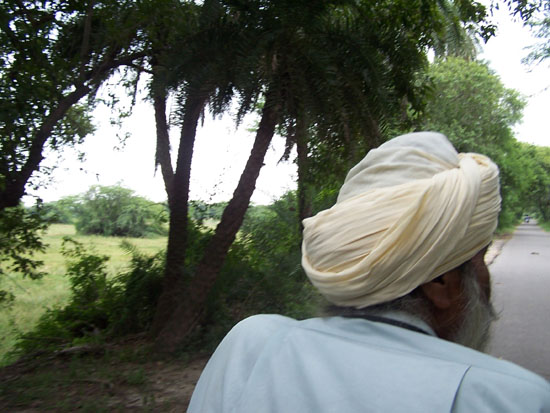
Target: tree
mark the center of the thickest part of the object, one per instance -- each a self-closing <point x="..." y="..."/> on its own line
<point x="336" y="70"/>
<point x="197" y="69"/>
<point x="62" y="211"/>
<point x="313" y="62"/>
<point x="456" y="39"/>
<point x="456" y="33"/>
<point x="53" y="54"/>
<point x="471" y="106"/>
<point x="117" y="211"/>
<point x="536" y="173"/>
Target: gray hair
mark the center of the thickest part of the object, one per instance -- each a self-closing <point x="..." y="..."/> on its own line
<point x="473" y="331"/>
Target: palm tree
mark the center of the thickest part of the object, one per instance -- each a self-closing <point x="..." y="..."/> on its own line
<point x="189" y="62"/>
<point x="455" y="38"/>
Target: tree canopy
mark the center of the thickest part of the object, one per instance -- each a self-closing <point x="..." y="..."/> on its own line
<point x="53" y="54"/>
<point x="472" y="107"/>
<point x="339" y="68"/>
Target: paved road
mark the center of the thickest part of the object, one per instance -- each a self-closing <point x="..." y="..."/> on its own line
<point x="521" y="294"/>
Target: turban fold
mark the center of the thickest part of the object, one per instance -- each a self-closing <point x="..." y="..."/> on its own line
<point x="410" y="211"/>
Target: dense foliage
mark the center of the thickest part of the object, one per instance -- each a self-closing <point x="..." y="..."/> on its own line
<point x="109" y="211"/>
<point x="535" y="161"/>
<point x="62" y="211"/>
<point x="471" y="106"/>
<point x="339" y="70"/>
<point x="20" y="230"/>
<point x="100" y="306"/>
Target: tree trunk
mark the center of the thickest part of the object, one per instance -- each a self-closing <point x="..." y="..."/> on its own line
<point x="304" y="194"/>
<point x="178" y="201"/>
<point x="191" y="305"/>
<point x="162" y="155"/>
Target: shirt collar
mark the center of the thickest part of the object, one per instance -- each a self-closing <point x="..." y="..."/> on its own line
<point x="407" y="318"/>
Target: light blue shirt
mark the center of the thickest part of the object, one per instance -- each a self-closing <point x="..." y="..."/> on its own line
<point x="271" y="363"/>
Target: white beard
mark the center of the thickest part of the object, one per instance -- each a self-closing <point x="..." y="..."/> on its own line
<point x="474" y="330"/>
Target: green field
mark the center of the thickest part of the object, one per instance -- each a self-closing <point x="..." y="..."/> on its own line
<point x="33" y="297"/>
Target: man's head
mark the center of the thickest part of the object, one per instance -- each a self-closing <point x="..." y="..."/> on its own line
<point x="411" y="213"/>
<point x="457" y="305"/>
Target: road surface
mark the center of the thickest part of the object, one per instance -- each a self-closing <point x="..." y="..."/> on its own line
<point x="521" y="295"/>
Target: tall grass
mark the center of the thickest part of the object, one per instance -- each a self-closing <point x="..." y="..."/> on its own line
<point x="33" y="297"/>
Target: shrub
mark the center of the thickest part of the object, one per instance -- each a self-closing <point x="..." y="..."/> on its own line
<point x="261" y="274"/>
<point x="100" y="307"/>
<point x="141" y="288"/>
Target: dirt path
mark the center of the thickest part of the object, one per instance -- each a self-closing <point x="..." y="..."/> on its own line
<point x="170" y="385"/>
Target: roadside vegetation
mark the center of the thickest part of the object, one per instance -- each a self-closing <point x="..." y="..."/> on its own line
<point x="33" y="297"/>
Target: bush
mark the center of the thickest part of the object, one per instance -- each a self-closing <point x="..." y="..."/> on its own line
<point x="261" y="274"/>
<point x="100" y="307"/>
<point x="141" y="288"/>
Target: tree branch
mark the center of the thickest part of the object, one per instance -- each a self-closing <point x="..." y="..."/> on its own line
<point x="15" y="188"/>
<point x="85" y="48"/>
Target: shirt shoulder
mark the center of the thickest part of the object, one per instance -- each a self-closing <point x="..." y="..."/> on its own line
<point x="228" y="371"/>
<point x="264" y="324"/>
<point x="500" y="386"/>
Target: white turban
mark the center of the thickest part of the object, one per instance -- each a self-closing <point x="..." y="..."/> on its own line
<point x="410" y="211"/>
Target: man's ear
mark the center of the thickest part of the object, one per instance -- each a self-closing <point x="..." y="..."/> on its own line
<point x="444" y="290"/>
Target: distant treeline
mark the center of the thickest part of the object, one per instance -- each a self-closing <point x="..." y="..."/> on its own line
<point x="119" y="211"/>
<point x="110" y="211"/>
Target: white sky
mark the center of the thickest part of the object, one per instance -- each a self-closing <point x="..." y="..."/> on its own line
<point x="221" y="152"/>
<point x="220" y="155"/>
<point x="504" y="53"/>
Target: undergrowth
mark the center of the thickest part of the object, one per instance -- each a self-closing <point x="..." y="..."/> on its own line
<point x="261" y="274"/>
<point x="100" y="307"/>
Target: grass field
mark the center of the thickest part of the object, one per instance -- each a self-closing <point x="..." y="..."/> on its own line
<point x="33" y="297"/>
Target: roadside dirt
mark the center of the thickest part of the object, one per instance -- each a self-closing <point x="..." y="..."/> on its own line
<point x="99" y="384"/>
<point x="495" y="248"/>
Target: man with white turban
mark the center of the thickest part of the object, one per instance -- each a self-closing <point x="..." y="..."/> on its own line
<point x="400" y="258"/>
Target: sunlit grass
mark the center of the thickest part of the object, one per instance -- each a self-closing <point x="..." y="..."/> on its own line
<point x="33" y="297"/>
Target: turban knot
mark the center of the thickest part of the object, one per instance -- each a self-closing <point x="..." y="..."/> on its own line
<point x="410" y="211"/>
